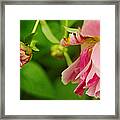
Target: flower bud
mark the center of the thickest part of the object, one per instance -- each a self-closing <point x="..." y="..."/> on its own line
<point x="25" y="54"/>
<point x="58" y="50"/>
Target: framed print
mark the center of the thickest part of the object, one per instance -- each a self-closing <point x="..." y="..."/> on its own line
<point x="60" y="59"/>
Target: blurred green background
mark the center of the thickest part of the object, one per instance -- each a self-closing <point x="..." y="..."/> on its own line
<point x="40" y="79"/>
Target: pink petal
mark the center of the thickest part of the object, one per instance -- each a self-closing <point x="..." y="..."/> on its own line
<point x="80" y="88"/>
<point x="71" y="72"/>
<point x="75" y="68"/>
<point x="93" y="81"/>
<point x="93" y="85"/>
<point x="84" y="73"/>
<point x="84" y="58"/>
<point x="91" y="91"/>
<point x="91" y="28"/>
<point x="96" y="55"/>
<point x="82" y="81"/>
<point x="97" y="87"/>
<point x="97" y="94"/>
<point x="76" y="39"/>
<point x="73" y="40"/>
<point x="92" y="72"/>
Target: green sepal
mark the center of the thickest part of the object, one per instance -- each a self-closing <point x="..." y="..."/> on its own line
<point x="27" y="49"/>
<point x="33" y="45"/>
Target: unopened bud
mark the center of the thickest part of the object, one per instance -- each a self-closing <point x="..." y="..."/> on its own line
<point x="58" y="50"/>
<point x="25" y="54"/>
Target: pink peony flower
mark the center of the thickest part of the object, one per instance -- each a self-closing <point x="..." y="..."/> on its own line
<point x="85" y="70"/>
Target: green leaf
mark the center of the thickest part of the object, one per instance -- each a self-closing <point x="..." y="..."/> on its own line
<point x="72" y="30"/>
<point x="35" y="81"/>
<point x="66" y="92"/>
<point x="55" y="28"/>
<point x="47" y="32"/>
<point x="33" y="45"/>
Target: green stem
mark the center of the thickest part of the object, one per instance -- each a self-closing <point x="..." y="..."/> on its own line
<point x="68" y="60"/>
<point x="66" y="25"/>
<point x="32" y="44"/>
<point x="35" y="26"/>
